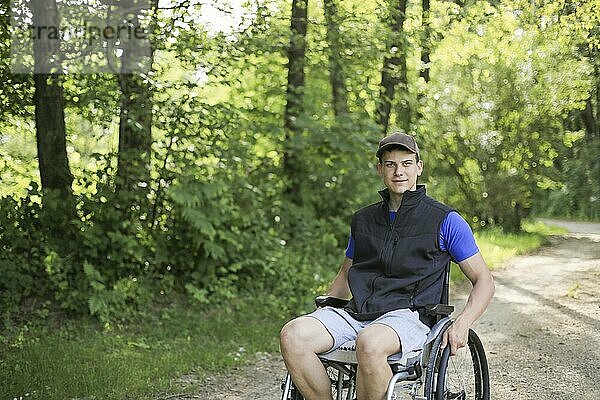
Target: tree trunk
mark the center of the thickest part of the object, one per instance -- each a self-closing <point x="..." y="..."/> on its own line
<point x="336" y="69"/>
<point x="55" y="174"/>
<point x="294" y="97"/>
<point x="394" y="69"/>
<point x="135" y="133"/>
<point x="589" y="122"/>
<point x="135" y="121"/>
<point x="424" y="70"/>
<point x="425" y="42"/>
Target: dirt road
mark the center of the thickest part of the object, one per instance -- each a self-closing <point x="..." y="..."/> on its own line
<point x="541" y="332"/>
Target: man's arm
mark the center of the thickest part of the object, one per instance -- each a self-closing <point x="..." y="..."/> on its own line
<point x="339" y="287"/>
<point x="481" y="294"/>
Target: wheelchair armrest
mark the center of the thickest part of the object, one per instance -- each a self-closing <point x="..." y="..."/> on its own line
<point x="335" y="302"/>
<point x="439" y="309"/>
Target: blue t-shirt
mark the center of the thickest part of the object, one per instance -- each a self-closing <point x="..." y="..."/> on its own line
<point x="456" y="237"/>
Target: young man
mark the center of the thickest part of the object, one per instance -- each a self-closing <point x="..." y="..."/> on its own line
<point x="394" y="266"/>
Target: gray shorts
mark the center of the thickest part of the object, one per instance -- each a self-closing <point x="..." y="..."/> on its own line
<point x="342" y="327"/>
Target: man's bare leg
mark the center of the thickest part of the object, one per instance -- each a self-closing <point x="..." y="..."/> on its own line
<point x="301" y="340"/>
<point x="373" y="346"/>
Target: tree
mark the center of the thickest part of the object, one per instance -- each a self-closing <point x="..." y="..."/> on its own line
<point x="498" y="118"/>
<point x="294" y="97"/>
<point x="577" y="24"/>
<point x="425" y="62"/>
<point x="55" y="173"/>
<point x="425" y="41"/>
<point x="336" y="69"/>
<point x="135" y="119"/>
<point x="16" y="90"/>
<point x="394" y="70"/>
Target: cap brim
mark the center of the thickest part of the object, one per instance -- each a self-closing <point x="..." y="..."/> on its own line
<point x="387" y="145"/>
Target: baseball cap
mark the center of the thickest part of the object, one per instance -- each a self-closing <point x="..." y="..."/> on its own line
<point x="398" y="139"/>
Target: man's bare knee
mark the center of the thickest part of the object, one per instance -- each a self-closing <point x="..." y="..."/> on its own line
<point x="291" y="337"/>
<point x="376" y="343"/>
<point x="367" y="348"/>
<point x="304" y="335"/>
<point x="301" y="340"/>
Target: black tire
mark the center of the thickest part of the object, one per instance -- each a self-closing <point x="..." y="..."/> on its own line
<point x="464" y="376"/>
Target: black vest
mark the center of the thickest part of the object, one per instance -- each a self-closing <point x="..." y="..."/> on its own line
<point x="397" y="264"/>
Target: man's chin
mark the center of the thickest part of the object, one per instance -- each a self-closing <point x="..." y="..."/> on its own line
<point x="400" y="190"/>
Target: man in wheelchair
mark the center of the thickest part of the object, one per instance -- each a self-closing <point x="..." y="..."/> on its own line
<point x="394" y="270"/>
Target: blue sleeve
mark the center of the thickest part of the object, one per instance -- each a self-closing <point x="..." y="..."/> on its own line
<point x="350" y="248"/>
<point x="457" y="238"/>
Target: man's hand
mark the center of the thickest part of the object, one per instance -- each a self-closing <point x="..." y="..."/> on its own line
<point x="456" y="335"/>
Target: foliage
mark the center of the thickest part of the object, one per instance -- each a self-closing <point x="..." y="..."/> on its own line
<point x="175" y="347"/>
<point x="500" y="126"/>
<point x="578" y="165"/>
<point x="501" y="109"/>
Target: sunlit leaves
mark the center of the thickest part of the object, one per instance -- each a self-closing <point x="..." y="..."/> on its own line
<point x="504" y="88"/>
<point x="501" y="123"/>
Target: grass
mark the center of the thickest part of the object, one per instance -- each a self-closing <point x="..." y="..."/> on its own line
<point x="498" y="247"/>
<point x="78" y="359"/>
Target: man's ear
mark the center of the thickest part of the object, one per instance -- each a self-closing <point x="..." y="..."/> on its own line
<point x="419" y="167"/>
<point x="379" y="169"/>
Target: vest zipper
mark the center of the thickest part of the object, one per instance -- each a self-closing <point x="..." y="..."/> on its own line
<point x="412" y="296"/>
<point x="389" y="244"/>
<point x="384" y="258"/>
<point x="371" y="290"/>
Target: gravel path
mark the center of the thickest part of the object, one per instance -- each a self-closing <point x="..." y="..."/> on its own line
<point x="541" y="332"/>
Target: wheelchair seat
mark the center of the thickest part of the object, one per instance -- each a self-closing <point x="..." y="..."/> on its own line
<point x="346" y="353"/>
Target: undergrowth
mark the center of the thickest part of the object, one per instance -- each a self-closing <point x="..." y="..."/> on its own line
<point x="52" y="357"/>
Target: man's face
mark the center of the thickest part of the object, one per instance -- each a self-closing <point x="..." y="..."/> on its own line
<point x="399" y="170"/>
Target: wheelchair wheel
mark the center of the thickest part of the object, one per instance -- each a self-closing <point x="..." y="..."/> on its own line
<point x="295" y="393"/>
<point x="464" y="376"/>
<point x="343" y="382"/>
<point x="290" y="391"/>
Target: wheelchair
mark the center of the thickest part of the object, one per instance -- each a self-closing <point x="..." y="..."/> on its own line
<point x="428" y="374"/>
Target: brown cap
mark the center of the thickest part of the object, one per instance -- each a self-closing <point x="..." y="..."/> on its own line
<point x="398" y="139"/>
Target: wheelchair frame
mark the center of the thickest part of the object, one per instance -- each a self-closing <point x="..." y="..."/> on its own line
<point x="431" y="374"/>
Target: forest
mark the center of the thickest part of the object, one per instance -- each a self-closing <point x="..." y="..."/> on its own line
<point x="192" y="150"/>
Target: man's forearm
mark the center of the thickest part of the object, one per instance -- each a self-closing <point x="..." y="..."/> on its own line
<point x="483" y="290"/>
<point x="479" y="299"/>
<point x="339" y="287"/>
